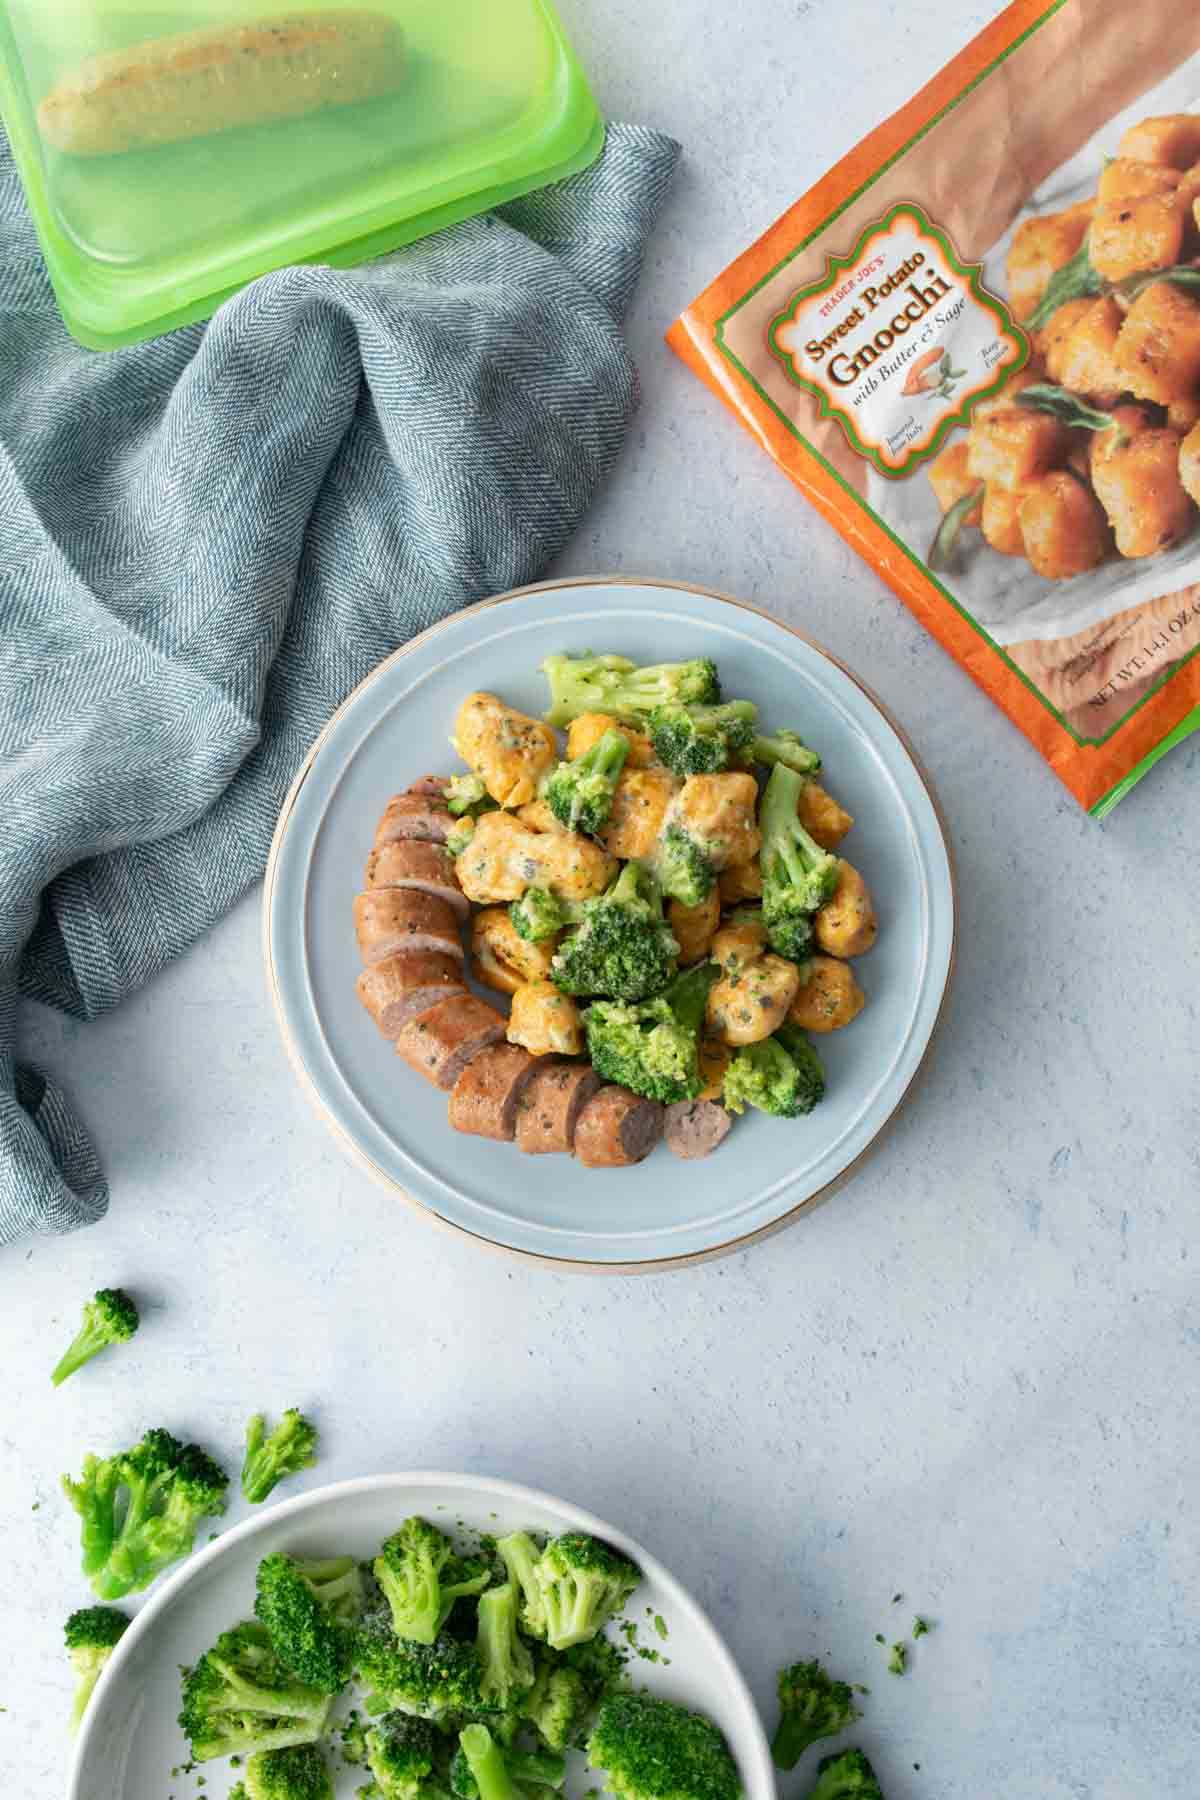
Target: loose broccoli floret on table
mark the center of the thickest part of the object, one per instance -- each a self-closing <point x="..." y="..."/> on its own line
<point x="846" y="1776"/>
<point x="702" y="740"/>
<point x="290" y="1447"/>
<point x="613" y="684"/>
<point x="652" y="1750"/>
<point x="653" y="1047"/>
<point x="682" y="866"/>
<point x="798" y="876"/>
<point x="239" y="1699"/>
<point x="786" y="747"/>
<point x="580" y="793"/>
<point x="140" y="1510"/>
<point x="623" y="948"/>
<point x="435" y="1681"/>
<point x="296" y="1773"/>
<point x="812" y="1705"/>
<point x="539" y="914"/>
<point x="109" y="1317"/>
<point x="506" y="1662"/>
<point x="582" y="1583"/>
<point x="307" y="1608"/>
<point x="91" y="1635"/>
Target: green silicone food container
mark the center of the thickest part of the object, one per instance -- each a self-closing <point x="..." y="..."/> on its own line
<point x="172" y="154"/>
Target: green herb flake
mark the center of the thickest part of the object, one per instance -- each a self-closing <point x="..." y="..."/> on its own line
<point x="660" y="1625"/>
<point x="898" y="1660"/>
<point x="920" y="1627"/>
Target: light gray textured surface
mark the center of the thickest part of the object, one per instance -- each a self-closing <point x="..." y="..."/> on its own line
<point x="970" y="1378"/>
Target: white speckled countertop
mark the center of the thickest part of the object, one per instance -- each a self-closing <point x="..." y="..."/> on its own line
<point x="970" y="1378"/>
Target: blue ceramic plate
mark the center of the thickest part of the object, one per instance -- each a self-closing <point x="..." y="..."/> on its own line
<point x="396" y="727"/>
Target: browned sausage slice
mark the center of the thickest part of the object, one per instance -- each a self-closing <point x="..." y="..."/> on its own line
<point x="695" y="1128"/>
<point x="551" y="1105"/>
<point x="441" y="1042"/>
<point x="414" y="816"/>
<point x="617" y="1128"/>
<point x="397" y="990"/>
<point x="433" y="785"/>
<point x="488" y="1092"/>
<point x="411" y="864"/>
<point x="390" y="920"/>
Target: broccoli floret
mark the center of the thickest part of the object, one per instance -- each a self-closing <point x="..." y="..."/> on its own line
<point x="290" y="1447"/>
<point x="296" y="1773"/>
<point x="682" y="865"/>
<point x="798" y="876"/>
<point x="580" y="793"/>
<point x="786" y="747"/>
<point x="306" y="1608"/>
<point x="612" y="684"/>
<point x="811" y="1705"/>
<point x="505" y="1661"/>
<point x="520" y="1556"/>
<point x="846" y="1776"/>
<point x="653" y="1048"/>
<point x="400" y="1755"/>
<point x="781" y="1075"/>
<point x="623" y="948"/>
<point x="652" y="1750"/>
<point x="600" y="1665"/>
<point x="240" y="1699"/>
<point x="468" y="794"/>
<point x="421" y="1577"/>
<point x="702" y="740"/>
<point x="480" y="1768"/>
<point x="539" y="914"/>
<point x="109" y="1317"/>
<point x="91" y="1635"/>
<point x="555" y="1704"/>
<point x="140" y="1509"/>
<point x="582" y="1583"/>
<point x="458" y="839"/>
<point x="433" y="1681"/>
<point x="528" y="1768"/>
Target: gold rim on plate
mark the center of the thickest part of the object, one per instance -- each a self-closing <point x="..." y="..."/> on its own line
<point x="653" y="1265"/>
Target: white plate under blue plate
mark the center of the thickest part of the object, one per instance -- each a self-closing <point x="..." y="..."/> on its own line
<point x="130" y="1742"/>
<point x="396" y="727"/>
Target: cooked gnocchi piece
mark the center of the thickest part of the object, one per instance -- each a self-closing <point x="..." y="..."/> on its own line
<point x="1039" y="249"/>
<point x="507" y="748"/>
<point x="1173" y="140"/>
<point x="951" y="480"/>
<point x="544" y="1021"/>
<point x="738" y="944"/>
<point x="823" y="817"/>
<point x="1083" y="353"/>
<point x="719" y="811"/>
<point x="504" y="857"/>
<point x="1002" y="518"/>
<point x="693" y="926"/>
<point x="1135" y="234"/>
<point x="640" y="801"/>
<point x="828" y="998"/>
<point x="745" y="1007"/>
<point x="1014" y="446"/>
<point x="1063" y="526"/>
<point x="1139" y="484"/>
<point x="846" y="924"/>
<point x="740" y="881"/>
<point x="589" y="728"/>
<point x="503" y="958"/>
<point x="1158" y="349"/>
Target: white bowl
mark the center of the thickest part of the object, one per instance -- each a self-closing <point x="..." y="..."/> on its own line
<point x="130" y="1742"/>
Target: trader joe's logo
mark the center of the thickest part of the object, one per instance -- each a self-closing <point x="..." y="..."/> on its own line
<point x="898" y="341"/>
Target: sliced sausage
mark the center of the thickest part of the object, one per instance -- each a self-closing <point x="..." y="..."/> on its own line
<point x="488" y="1093"/>
<point x="694" y="1128"/>
<point x="395" y="991"/>
<point x="433" y="785"/>
<point x="391" y="920"/>
<point x="409" y="863"/>
<point x="414" y="816"/>
<point x="551" y="1105"/>
<point x="442" y="1041"/>
<point x="617" y="1128"/>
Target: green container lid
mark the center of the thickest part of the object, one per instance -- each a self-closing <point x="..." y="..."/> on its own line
<point x="172" y="154"/>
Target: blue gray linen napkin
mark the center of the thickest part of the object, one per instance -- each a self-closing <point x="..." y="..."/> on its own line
<point x="207" y="541"/>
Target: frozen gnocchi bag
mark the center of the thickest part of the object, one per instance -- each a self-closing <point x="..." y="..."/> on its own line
<point x="975" y="347"/>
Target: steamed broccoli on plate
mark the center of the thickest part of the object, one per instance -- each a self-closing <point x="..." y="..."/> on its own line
<point x="650" y="1749"/>
<point x="307" y="1609"/>
<point x="580" y="793"/>
<point x="653" y="1048"/>
<point x="521" y="1768"/>
<point x="781" y="1076"/>
<point x="297" y="1773"/>
<point x="421" y="1576"/>
<point x="240" y="1699"/>
<point x="92" y="1634"/>
<point x="702" y="740"/>
<point x="798" y="875"/>
<point x="613" y="684"/>
<point x="109" y="1317"/>
<point x="140" y="1510"/>
<point x="622" y="948"/>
